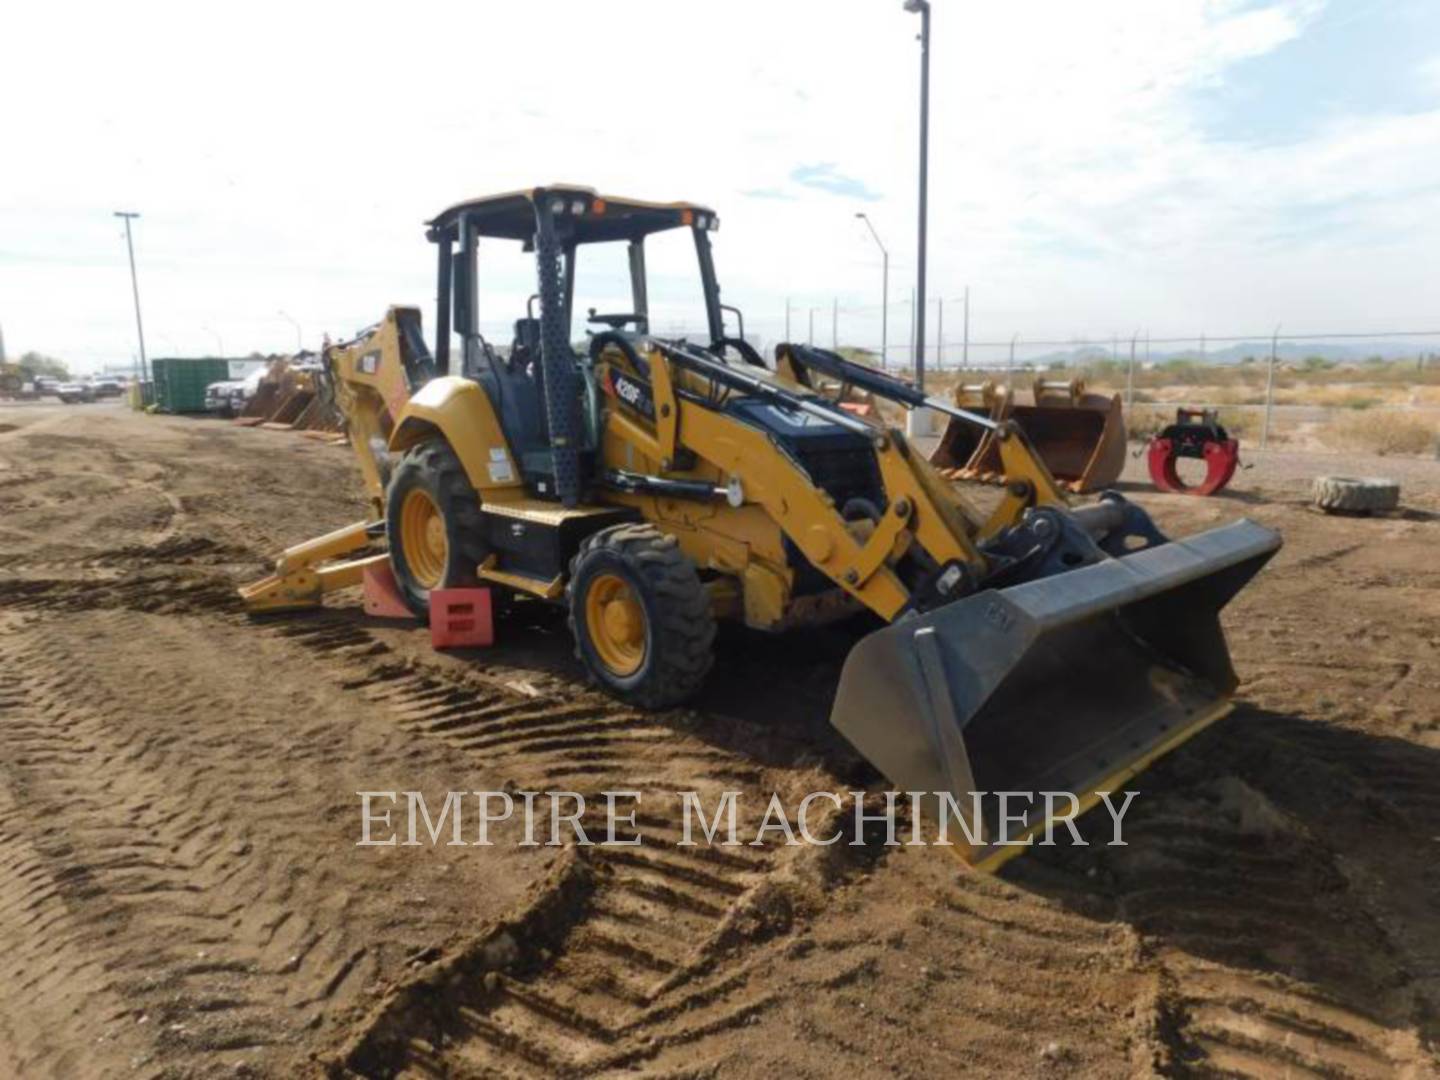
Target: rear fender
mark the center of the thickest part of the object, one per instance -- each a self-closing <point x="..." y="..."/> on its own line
<point x="459" y="411"/>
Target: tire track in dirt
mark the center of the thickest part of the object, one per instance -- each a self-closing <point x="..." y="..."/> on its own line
<point x="147" y="849"/>
<point x="639" y="970"/>
<point x="188" y="909"/>
<point x="1272" y="960"/>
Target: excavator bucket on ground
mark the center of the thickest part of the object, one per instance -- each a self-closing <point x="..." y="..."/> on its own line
<point x="1069" y="683"/>
<point x="1079" y="435"/>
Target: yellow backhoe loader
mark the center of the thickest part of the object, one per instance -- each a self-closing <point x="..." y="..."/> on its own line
<point x="655" y="485"/>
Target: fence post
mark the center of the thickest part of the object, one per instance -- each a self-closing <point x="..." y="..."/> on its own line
<point x="1130" y="373"/>
<point x="1269" y="388"/>
<point x="940" y="336"/>
<point x="1010" y="367"/>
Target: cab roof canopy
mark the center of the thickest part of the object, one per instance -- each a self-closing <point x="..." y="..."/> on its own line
<point x="582" y="216"/>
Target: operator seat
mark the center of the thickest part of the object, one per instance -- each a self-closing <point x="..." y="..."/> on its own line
<point x="526" y="349"/>
<point x="520" y="400"/>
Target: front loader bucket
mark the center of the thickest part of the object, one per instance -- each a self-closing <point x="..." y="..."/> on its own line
<point x="1070" y="683"/>
<point x="1080" y="436"/>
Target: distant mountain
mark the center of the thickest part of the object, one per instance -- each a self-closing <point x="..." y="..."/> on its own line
<point x="1286" y="351"/>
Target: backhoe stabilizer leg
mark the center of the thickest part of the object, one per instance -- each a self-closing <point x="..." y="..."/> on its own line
<point x="298" y="582"/>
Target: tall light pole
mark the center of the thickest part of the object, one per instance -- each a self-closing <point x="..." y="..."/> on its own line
<point x="135" y="289"/>
<point x="922" y="7"/>
<point x="884" y="289"/>
<point x="219" y="341"/>
<point x="299" y="340"/>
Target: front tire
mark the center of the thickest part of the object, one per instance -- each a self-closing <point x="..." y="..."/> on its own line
<point x="433" y="524"/>
<point x="641" y="616"/>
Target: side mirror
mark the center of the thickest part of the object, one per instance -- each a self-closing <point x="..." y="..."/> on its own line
<point x="739" y="318"/>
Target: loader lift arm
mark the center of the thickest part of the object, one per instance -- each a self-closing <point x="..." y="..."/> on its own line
<point x="1029" y="481"/>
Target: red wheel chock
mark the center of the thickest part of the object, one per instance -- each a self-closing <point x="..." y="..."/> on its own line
<point x="460" y="618"/>
<point x="1197" y="434"/>
<point x="382" y="595"/>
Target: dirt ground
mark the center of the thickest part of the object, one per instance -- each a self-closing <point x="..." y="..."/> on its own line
<point x="181" y="894"/>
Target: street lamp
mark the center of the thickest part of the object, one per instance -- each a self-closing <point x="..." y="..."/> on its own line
<point x="135" y="290"/>
<point x="922" y="8"/>
<point x="299" y="346"/>
<point x="884" y="289"/>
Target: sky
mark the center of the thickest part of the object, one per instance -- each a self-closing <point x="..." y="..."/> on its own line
<point x="1097" y="169"/>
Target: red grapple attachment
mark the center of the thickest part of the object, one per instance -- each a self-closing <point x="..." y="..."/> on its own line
<point x="1196" y="433"/>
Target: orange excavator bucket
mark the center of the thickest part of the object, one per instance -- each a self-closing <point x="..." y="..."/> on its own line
<point x="1079" y="435"/>
<point x="967" y="451"/>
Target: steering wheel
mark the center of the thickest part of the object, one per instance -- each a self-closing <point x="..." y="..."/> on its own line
<point x="740" y="345"/>
<point x="615" y="322"/>
<point x="603" y="340"/>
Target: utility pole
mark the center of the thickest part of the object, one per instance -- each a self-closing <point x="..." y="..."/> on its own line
<point x="787" y="319"/>
<point x="965" y="346"/>
<point x="922" y="7"/>
<point x="1010" y="367"/>
<point x="810" y="339"/>
<point x="834" y="322"/>
<point x="299" y="337"/>
<point x="884" y="290"/>
<point x="135" y="289"/>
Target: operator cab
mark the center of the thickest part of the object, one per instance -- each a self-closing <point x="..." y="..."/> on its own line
<point x="543" y="389"/>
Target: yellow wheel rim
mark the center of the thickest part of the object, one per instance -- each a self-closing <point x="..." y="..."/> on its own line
<point x="616" y="624"/>
<point x="422" y="538"/>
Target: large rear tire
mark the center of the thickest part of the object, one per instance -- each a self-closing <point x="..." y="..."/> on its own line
<point x="432" y="521"/>
<point x="641" y="616"/>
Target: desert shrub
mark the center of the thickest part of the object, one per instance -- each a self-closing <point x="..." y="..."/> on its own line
<point x="1376" y="432"/>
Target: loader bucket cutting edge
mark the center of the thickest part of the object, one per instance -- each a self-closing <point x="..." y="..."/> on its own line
<point x="1070" y="683"/>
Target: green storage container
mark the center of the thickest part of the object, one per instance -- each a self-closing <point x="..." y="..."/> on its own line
<point x="180" y="382"/>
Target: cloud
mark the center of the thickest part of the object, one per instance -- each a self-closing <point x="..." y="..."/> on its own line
<point x="825" y="177"/>
<point x="768" y="193"/>
<point x="1083" y="177"/>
